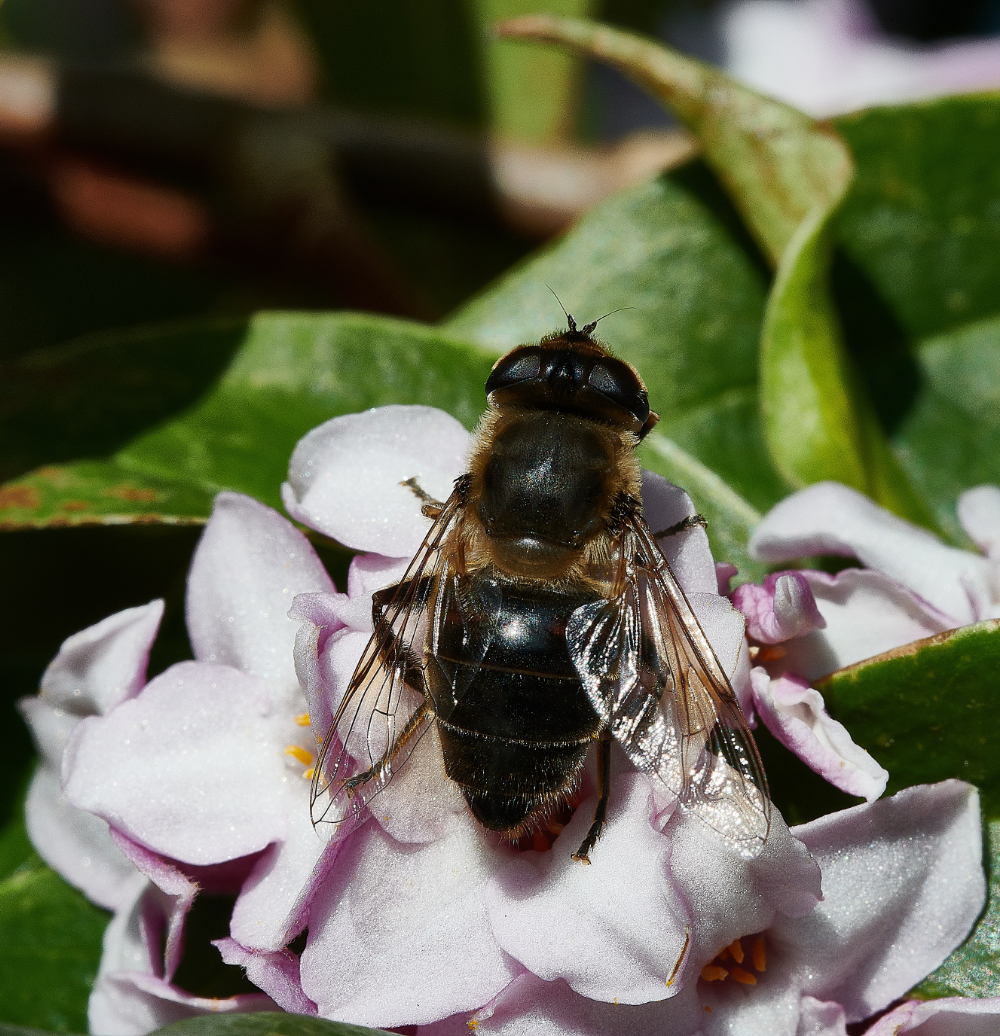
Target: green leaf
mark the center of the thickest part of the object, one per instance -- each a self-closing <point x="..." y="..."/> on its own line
<point x="292" y="372"/>
<point x="15" y="849"/>
<point x="99" y="493"/>
<point x="949" y="440"/>
<point x="92" y="395"/>
<point x="50" y="945"/>
<point x="919" y="289"/>
<point x="974" y="968"/>
<point x="786" y="175"/>
<point x="926" y="711"/>
<point x="809" y="416"/>
<point x="20" y="1030"/>
<point x="777" y="164"/>
<point x="672" y="256"/>
<point x="264" y="1024"/>
<point x="730" y="518"/>
<point x="920" y="219"/>
<point x="817" y="418"/>
<point x="532" y="93"/>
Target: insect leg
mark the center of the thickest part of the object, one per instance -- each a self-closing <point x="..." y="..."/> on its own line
<point x="682" y="526"/>
<point x="604" y="780"/>
<point x="431" y="508"/>
<point x="389" y="651"/>
<point x="412" y="726"/>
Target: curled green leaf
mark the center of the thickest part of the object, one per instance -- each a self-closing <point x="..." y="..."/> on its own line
<point x="786" y="174"/>
<point x="776" y="162"/>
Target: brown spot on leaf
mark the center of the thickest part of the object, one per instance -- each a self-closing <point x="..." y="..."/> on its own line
<point x="18" y="496"/>
<point x="74" y="505"/>
<point x="133" y="495"/>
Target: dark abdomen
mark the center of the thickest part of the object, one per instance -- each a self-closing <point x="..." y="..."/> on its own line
<point x="515" y="728"/>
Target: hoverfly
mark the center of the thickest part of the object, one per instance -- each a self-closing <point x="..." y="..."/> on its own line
<point x="539" y="617"/>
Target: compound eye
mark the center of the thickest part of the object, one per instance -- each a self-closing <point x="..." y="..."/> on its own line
<point x="618" y="383"/>
<point x="515" y="368"/>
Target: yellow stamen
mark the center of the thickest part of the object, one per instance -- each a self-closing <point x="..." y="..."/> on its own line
<point x="297" y="752"/>
<point x="303" y="720"/>
<point x="744" y="977"/>
<point x="680" y="959"/>
<point x="713" y="973"/>
<point x="473" y="1024"/>
<point x="310" y="773"/>
<point x="759" y="954"/>
<point x="736" y="949"/>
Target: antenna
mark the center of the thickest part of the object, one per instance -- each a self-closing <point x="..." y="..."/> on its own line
<point x="590" y="327"/>
<point x="569" y="319"/>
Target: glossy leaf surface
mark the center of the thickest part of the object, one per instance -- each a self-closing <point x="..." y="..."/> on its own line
<point x="292" y="372"/>
<point x="50" y="941"/>
<point x="927" y="711"/>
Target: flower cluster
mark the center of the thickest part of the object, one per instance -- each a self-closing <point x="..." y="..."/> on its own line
<point x="805" y="623"/>
<point x="197" y="782"/>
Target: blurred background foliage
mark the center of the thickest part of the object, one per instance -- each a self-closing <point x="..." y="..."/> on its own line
<point x="170" y="168"/>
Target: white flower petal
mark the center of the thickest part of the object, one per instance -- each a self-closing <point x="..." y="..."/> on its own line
<point x="272" y="906"/>
<point x="979" y="514"/>
<point x="76" y="844"/>
<point x="903" y="884"/>
<point x="949" y="1016"/>
<point x="796" y="714"/>
<point x="724" y="626"/>
<point x="829" y="518"/>
<point x="104" y="664"/>
<point x="399" y="934"/>
<point x="530" y="1006"/>
<point x="276" y="972"/>
<point x="193" y="768"/>
<point x="688" y="552"/>
<point x="247" y="569"/>
<point x="130" y="1003"/>
<point x="728" y="896"/>
<point x="866" y="613"/>
<point x="344" y="477"/>
<point x="616" y="930"/>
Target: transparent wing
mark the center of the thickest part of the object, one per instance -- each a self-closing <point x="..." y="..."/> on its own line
<point x="384" y="711"/>
<point x="650" y="671"/>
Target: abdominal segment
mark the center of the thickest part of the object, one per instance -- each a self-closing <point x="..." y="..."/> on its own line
<point x="515" y="726"/>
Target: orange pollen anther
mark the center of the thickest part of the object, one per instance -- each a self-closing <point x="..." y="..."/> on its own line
<point x="715" y="972"/>
<point x="310" y="773"/>
<point x="744" y="977"/>
<point x="298" y="752"/>
<point x="303" y="720"/>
